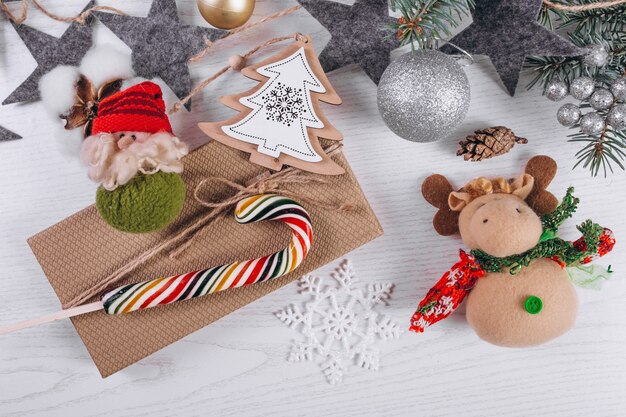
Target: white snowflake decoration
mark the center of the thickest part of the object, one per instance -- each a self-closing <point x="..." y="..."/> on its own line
<point x="339" y="323"/>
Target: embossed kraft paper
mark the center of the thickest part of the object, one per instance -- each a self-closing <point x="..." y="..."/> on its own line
<point x="80" y="251"/>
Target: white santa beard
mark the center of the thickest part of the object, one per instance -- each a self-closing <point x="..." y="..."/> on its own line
<point x="113" y="167"/>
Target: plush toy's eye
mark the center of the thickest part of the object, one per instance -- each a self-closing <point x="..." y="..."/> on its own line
<point x="134" y="137"/>
<point x="485" y="221"/>
<point x="122" y="135"/>
<point x="518" y="210"/>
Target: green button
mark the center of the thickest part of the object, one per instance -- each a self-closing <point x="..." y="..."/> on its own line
<point x="533" y="305"/>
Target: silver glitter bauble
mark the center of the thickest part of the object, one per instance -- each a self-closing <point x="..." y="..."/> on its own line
<point x="592" y="124"/>
<point x="582" y="88"/>
<point x="568" y="115"/>
<point x="617" y="117"/>
<point x="555" y="90"/>
<point x="601" y="99"/>
<point x="619" y="89"/>
<point x="597" y="56"/>
<point x="423" y="95"/>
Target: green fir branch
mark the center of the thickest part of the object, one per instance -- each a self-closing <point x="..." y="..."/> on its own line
<point x="599" y="21"/>
<point x="545" y="68"/>
<point x="607" y="27"/>
<point x="605" y="152"/>
<point x="548" y="17"/>
<point x="424" y="22"/>
<point x="601" y="153"/>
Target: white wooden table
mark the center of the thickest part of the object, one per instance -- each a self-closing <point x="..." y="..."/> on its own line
<point x="238" y="365"/>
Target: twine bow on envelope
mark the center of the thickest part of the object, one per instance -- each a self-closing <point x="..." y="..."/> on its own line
<point x="182" y="239"/>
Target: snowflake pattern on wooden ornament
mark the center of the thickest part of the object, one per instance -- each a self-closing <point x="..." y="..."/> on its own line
<point x="280" y="120"/>
<point x="339" y="322"/>
<point x="284" y="104"/>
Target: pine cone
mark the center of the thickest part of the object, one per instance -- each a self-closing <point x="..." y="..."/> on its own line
<point x="489" y="142"/>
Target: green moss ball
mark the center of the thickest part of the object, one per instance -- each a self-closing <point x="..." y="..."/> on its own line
<point x="145" y="204"/>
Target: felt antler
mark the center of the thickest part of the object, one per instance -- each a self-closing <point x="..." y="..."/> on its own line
<point x="436" y="190"/>
<point x="543" y="170"/>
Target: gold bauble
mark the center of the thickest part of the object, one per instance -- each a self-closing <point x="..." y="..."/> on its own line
<point x="226" y="14"/>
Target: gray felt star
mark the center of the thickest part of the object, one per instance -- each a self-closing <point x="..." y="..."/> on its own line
<point x="358" y="34"/>
<point x="507" y="31"/>
<point x="161" y="45"/>
<point x="50" y="52"/>
<point x="6" y="135"/>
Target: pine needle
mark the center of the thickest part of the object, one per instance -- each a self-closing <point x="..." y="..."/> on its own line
<point x="424" y="22"/>
<point x="607" y="27"/>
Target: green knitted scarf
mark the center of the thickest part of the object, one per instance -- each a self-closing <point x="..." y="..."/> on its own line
<point x="550" y="245"/>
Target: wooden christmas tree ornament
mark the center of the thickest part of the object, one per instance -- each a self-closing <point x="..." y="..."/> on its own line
<point x="280" y="120"/>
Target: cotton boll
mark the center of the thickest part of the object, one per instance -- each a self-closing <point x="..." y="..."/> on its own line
<point x="58" y="89"/>
<point x="105" y="63"/>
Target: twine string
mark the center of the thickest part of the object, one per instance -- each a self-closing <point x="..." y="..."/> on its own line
<point x="185" y="236"/>
<point x="18" y="20"/>
<point x="265" y="183"/>
<point x="178" y="105"/>
<point x="583" y="7"/>
<point x="273" y="16"/>
<point x="80" y="18"/>
<point x="245" y="27"/>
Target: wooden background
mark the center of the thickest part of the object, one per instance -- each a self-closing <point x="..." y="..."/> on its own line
<point x="238" y="365"/>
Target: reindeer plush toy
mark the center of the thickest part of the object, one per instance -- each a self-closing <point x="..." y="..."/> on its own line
<point x="518" y="275"/>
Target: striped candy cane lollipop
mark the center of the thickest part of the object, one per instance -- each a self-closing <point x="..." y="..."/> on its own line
<point x="163" y="291"/>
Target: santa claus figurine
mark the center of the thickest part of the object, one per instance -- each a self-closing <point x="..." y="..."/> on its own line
<point x="134" y="155"/>
<point x="131" y="134"/>
<point x="126" y="140"/>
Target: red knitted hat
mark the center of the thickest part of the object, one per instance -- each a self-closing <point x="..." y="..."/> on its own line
<point x="139" y="108"/>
